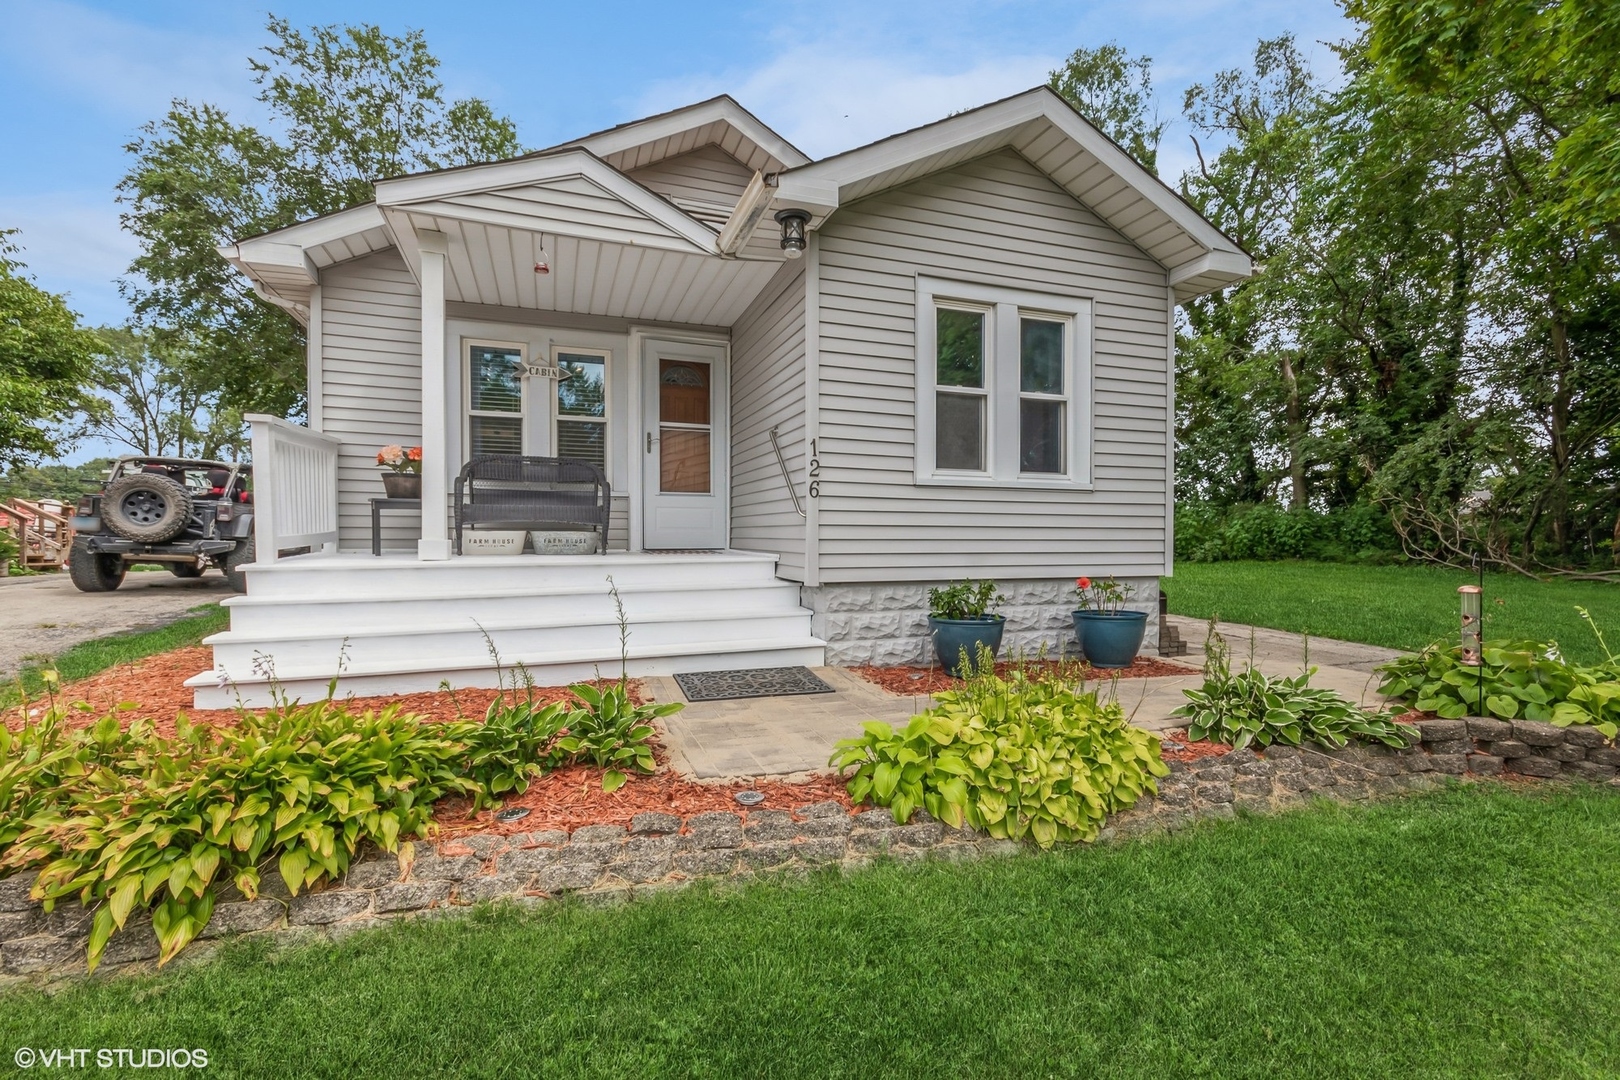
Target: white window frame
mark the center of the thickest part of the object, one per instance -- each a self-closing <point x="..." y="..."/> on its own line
<point x="468" y="412"/>
<point x="1004" y="308"/>
<point x="606" y="420"/>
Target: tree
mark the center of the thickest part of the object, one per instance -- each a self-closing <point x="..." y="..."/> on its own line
<point x="45" y="363"/>
<point x="152" y="403"/>
<point x="346" y="106"/>
<point x="1114" y="90"/>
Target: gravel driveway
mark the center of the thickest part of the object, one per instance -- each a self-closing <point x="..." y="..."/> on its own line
<point x="42" y="616"/>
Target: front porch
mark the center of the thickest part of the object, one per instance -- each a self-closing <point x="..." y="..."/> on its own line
<point x="396" y="624"/>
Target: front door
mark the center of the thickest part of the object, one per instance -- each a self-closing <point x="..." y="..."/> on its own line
<point x="684" y="447"/>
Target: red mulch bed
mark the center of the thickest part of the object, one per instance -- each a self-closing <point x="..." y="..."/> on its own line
<point x="156" y="686"/>
<point x="909" y="680"/>
<point x="565" y="799"/>
<point x="1187" y="750"/>
<point x="573" y="796"/>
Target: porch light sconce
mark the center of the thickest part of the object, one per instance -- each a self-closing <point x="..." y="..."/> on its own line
<point x="793" y="224"/>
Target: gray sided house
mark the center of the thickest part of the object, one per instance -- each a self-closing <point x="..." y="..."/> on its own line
<point x="816" y="389"/>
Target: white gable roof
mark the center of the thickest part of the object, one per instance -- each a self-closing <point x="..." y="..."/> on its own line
<point x="720" y="121"/>
<point x="1046" y="130"/>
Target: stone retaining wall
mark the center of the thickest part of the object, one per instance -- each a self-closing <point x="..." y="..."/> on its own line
<point x="887" y="624"/>
<point x="608" y="863"/>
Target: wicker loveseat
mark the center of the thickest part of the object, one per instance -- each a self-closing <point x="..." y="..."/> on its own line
<point x="506" y="491"/>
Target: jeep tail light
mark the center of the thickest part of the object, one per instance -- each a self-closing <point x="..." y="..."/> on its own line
<point x="222" y="512"/>
<point x="87" y="505"/>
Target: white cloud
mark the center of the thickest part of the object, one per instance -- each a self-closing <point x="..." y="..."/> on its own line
<point x="825" y="97"/>
<point x="71" y="244"/>
<point x="123" y="68"/>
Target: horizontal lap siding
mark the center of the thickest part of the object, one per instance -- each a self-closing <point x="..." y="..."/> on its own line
<point x="1000" y="221"/>
<point x="767" y="389"/>
<point x="371" y="392"/>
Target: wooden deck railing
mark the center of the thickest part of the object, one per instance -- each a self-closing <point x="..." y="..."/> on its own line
<point x="295" y="495"/>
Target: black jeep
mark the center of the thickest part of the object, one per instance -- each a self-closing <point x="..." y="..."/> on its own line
<point x="181" y="513"/>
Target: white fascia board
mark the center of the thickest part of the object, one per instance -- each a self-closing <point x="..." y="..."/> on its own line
<point x="798" y="190"/>
<point x="669" y="125"/>
<point x="1234" y="265"/>
<point x="321" y="230"/>
<point x="1005" y="116"/>
<point x="523" y="172"/>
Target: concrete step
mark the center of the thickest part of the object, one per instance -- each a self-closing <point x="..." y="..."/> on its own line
<point x="467" y="643"/>
<point x="358" y="576"/>
<point x="395" y="625"/>
<point x="212" y="691"/>
<point x="280" y="616"/>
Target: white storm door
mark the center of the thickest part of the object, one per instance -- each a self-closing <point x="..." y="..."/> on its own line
<point x="684" y="449"/>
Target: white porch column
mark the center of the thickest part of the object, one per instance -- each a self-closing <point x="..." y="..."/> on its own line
<point x="435" y="542"/>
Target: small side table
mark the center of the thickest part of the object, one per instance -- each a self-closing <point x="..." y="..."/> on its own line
<point x="377" y="507"/>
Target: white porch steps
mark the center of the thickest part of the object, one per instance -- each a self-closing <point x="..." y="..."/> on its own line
<point x="396" y="625"/>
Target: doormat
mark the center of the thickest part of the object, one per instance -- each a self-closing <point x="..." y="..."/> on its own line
<point x="750" y="682"/>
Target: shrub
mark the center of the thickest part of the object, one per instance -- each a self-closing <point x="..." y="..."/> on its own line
<point x="129" y="820"/>
<point x="964" y="600"/>
<point x="1209" y="533"/>
<point x="164" y="820"/>
<point x="1527" y="679"/>
<point x="1253" y="707"/>
<point x="1012" y="757"/>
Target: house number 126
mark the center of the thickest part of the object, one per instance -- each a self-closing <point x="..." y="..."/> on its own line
<point x="815" y="472"/>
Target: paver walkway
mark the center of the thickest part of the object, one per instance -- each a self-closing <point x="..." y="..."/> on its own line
<point x="780" y="736"/>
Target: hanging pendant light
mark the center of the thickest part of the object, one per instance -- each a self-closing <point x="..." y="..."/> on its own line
<point x="543" y="266"/>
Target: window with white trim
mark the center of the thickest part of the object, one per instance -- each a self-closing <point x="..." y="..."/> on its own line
<point x="1003" y="386"/>
<point x="580" y="423"/>
<point x="494" y="398"/>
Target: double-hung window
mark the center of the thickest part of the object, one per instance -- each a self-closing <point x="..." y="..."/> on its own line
<point x="494" y="398"/>
<point x="580" y="426"/>
<point x="1003" y="386"/>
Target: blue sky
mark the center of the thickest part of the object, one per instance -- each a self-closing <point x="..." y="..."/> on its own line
<point x="80" y="78"/>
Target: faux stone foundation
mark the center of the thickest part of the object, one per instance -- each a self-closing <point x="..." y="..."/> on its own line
<point x="886" y="625"/>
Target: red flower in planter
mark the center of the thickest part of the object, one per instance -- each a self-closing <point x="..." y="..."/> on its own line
<point x="1083" y="582"/>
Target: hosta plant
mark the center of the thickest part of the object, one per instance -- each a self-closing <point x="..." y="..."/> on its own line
<point x="1012" y="757"/>
<point x="1527" y="680"/>
<point x="1252" y="707"/>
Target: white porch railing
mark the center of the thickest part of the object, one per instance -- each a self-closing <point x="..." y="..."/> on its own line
<point x="295" y="496"/>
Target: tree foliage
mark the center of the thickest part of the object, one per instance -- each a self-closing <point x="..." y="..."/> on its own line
<point x="345" y="106"/>
<point x="1433" y="325"/>
<point x="1114" y="90"/>
<point x="45" y="363"/>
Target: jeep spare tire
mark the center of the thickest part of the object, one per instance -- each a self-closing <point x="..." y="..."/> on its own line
<point x="146" y="508"/>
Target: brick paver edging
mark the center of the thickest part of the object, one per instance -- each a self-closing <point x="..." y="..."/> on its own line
<point x="608" y="863"/>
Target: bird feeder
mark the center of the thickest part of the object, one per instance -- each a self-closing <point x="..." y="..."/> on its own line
<point x="1470" y="596"/>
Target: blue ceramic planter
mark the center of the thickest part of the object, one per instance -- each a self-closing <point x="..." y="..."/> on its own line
<point x="951" y="636"/>
<point x="1110" y="639"/>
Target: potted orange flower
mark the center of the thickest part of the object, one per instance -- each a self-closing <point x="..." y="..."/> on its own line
<point x="403" y="478"/>
<point x="1109" y="633"/>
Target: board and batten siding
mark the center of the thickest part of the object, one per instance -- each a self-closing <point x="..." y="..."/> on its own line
<point x="767" y="390"/>
<point x="371" y="386"/>
<point x="999" y="221"/>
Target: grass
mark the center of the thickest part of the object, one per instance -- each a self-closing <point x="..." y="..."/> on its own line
<point x="1399" y="607"/>
<point x="90" y="657"/>
<point x="1468" y="933"/>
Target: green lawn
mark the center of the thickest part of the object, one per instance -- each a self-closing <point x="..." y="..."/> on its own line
<point x="89" y="657"/>
<point x="1402" y="607"/>
<point x="1467" y="933"/>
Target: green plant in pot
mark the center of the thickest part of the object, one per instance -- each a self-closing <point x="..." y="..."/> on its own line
<point x="1110" y="634"/>
<point x="960" y="622"/>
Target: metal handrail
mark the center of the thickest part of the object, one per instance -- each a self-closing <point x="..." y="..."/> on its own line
<point x="786" y="479"/>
